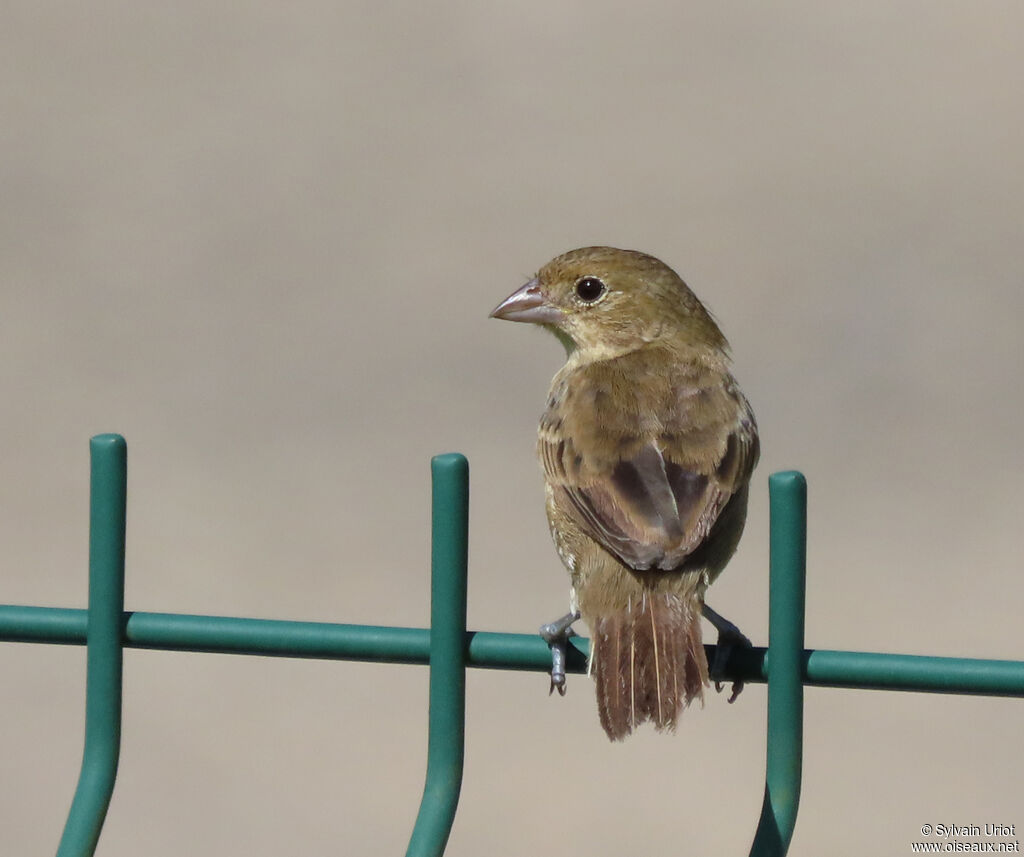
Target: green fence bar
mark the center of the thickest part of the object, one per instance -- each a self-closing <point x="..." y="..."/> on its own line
<point x="877" y="671"/>
<point x="788" y="563"/>
<point x="105" y="629"/>
<point x="103" y="647"/>
<point x="179" y="632"/>
<point x="447" y="717"/>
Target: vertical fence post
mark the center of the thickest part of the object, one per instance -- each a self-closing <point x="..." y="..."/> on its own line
<point x="788" y="564"/>
<point x="107" y="486"/>
<point x="447" y="719"/>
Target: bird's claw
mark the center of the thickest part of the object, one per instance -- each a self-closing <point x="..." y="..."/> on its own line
<point x="556" y="634"/>
<point x="729" y="637"/>
<point x="737" y="689"/>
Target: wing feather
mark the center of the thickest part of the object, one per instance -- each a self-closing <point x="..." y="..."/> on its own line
<point x="649" y="482"/>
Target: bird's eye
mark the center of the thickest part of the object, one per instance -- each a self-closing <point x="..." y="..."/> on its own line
<point x="589" y="289"/>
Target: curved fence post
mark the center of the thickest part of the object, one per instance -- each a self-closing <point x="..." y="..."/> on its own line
<point x="788" y="565"/>
<point x="104" y="655"/>
<point x="447" y="719"/>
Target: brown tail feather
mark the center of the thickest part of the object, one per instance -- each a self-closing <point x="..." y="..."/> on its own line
<point x="648" y="662"/>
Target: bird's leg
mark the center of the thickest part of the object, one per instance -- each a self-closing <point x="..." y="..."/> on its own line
<point x="729" y="637"/>
<point x="556" y="634"/>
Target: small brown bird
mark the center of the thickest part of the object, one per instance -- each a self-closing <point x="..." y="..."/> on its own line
<point x="647" y="446"/>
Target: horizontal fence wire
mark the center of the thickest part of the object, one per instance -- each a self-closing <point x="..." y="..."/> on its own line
<point x="448" y="648"/>
<point x="186" y="633"/>
<point x="180" y="632"/>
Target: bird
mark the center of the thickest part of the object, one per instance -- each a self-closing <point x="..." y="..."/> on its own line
<point x="647" y="445"/>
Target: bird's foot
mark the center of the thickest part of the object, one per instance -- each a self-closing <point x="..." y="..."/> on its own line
<point x="729" y="638"/>
<point x="556" y="634"/>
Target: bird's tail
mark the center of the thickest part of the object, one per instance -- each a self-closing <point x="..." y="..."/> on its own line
<point x="648" y="662"/>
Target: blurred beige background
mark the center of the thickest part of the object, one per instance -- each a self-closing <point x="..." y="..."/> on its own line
<point x="262" y="240"/>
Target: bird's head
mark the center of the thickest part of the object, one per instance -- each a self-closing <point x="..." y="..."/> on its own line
<point x="603" y="301"/>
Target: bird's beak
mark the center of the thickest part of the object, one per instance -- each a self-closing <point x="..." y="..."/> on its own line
<point x="527" y="304"/>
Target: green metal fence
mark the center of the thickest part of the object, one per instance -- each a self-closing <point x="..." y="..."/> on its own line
<point x="106" y="629"/>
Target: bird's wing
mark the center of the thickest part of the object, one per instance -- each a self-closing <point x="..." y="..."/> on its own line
<point x="652" y="496"/>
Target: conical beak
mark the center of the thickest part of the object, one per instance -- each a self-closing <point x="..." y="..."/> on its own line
<point x="527" y="304"/>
